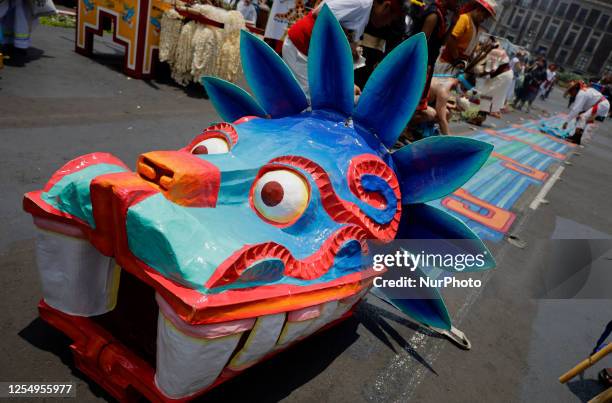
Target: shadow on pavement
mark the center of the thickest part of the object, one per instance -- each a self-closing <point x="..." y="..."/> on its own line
<point x="114" y="62"/>
<point x="20" y="60"/>
<point x="35" y="54"/>
<point x="271" y="380"/>
<point x="585" y="389"/>
<point x="45" y="337"/>
<point x="373" y="319"/>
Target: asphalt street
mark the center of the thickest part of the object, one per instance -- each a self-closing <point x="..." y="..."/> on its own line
<point x="61" y="105"/>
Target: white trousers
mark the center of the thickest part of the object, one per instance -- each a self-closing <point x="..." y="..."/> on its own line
<point x="493" y="91"/>
<point x="510" y="93"/>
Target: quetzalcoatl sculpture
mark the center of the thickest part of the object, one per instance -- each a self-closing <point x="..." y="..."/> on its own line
<point x="251" y="235"/>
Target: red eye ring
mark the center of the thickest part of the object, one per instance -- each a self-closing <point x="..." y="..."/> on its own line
<point x="223" y="130"/>
<point x="205" y="136"/>
<point x="280" y="195"/>
<point x="211" y="145"/>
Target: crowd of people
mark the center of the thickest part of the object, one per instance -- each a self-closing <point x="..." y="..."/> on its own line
<point x="457" y="61"/>
<point x="375" y="27"/>
<point x="464" y="62"/>
<point x="534" y="79"/>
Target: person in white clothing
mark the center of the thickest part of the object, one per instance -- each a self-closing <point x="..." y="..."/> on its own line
<point x="353" y="15"/>
<point x="589" y="105"/>
<point x="493" y="78"/>
<point x="248" y="10"/>
<point x="515" y="66"/>
<point x="547" y="86"/>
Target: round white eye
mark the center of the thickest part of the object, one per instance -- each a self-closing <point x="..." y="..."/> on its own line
<point x="281" y="196"/>
<point x="213" y="145"/>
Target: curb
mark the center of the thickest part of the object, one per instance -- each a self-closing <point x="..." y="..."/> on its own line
<point x="66" y="12"/>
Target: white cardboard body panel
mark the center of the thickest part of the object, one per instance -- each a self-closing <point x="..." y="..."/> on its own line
<point x="185" y="364"/>
<point x="293" y="331"/>
<point x="76" y="278"/>
<point x="260" y="342"/>
<point x="327" y="315"/>
<point x="347" y="303"/>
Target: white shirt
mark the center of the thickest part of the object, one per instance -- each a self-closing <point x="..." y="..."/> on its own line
<point x="248" y="12"/>
<point x="494" y="59"/>
<point x="513" y="62"/>
<point x="353" y="15"/>
<point x="585" y="100"/>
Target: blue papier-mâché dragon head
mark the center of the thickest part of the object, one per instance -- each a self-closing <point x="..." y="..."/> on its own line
<point x="284" y="198"/>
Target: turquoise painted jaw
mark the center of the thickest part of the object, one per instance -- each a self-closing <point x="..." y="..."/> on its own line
<point x="71" y="193"/>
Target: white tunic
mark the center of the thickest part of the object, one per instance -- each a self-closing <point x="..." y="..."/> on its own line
<point x="585" y="100"/>
<point x="493" y="90"/>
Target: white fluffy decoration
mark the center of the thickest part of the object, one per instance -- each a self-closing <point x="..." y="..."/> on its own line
<point x="205" y="51"/>
<point x="181" y="71"/>
<point x="194" y="50"/>
<point x="229" y="56"/>
<point x="171" y="24"/>
<point x="233" y="22"/>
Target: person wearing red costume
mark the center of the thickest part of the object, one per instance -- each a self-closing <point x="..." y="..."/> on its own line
<point x="353" y="15"/>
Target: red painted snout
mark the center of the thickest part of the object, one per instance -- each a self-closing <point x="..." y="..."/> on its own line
<point x="182" y="177"/>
